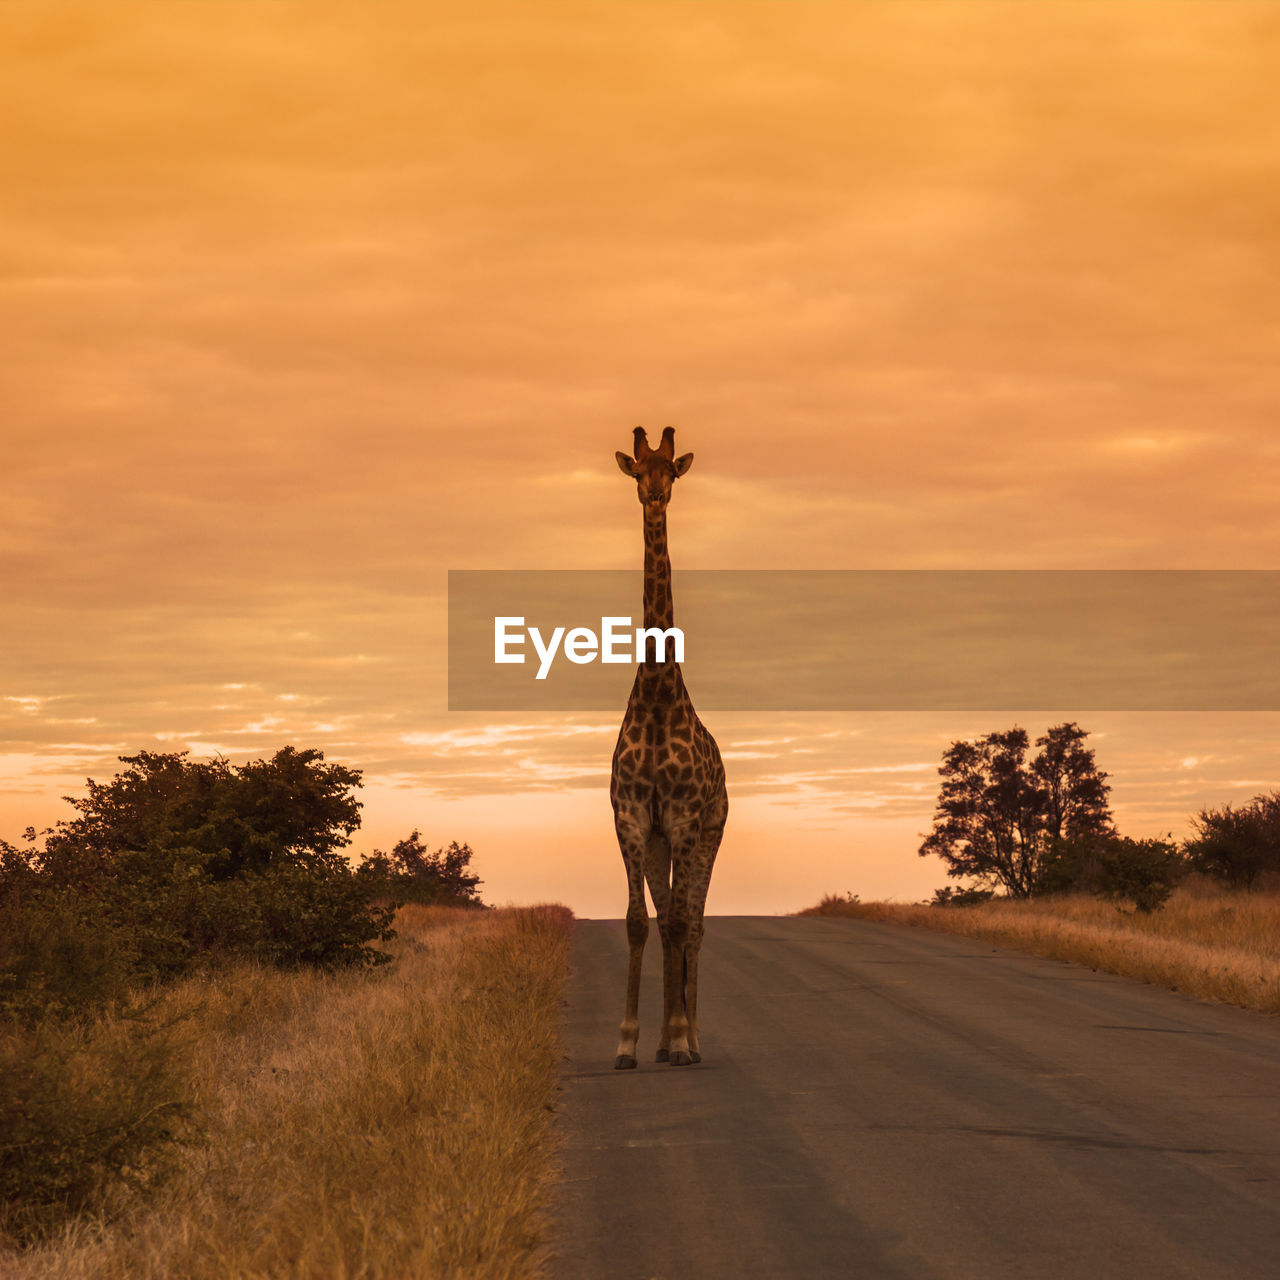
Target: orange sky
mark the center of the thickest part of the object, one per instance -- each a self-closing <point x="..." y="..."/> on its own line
<point x="304" y="304"/>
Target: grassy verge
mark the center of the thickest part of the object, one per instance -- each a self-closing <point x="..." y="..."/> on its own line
<point x="385" y="1124"/>
<point x="1212" y="944"/>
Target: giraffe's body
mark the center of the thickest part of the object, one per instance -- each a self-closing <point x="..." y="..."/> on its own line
<point x="667" y="788"/>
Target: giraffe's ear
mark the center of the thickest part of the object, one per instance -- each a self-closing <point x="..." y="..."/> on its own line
<point x="683" y="463"/>
<point x="625" y="465"/>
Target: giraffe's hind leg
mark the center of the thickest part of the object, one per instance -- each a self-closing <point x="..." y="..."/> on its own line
<point x="657" y="871"/>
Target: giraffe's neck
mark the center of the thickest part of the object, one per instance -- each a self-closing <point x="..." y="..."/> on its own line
<point x="659" y="611"/>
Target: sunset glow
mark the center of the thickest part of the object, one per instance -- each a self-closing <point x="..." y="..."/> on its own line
<point x="304" y="305"/>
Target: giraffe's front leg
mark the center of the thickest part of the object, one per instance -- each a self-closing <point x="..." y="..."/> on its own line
<point x="679" y="921"/>
<point x="664" y="1040"/>
<point x="657" y="872"/>
<point x="691" y="989"/>
<point x="697" y="904"/>
<point x="629" y="1033"/>
<point x="632" y="843"/>
<point x="678" y="1019"/>
<point x="691" y="877"/>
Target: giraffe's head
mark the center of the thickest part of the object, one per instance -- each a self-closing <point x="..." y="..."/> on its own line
<point x="654" y="470"/>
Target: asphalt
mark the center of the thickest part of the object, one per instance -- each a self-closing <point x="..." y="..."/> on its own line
<point x="880" y="1101"/>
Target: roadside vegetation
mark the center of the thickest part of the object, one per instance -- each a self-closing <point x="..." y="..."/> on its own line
<point x="1047" y="872"/>
<point x="380" y="1123"/>
<point x="227" y="1050"/>
<point x="1208" y="941"/>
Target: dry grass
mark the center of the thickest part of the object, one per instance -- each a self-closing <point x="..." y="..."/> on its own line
<point x="1209" y="943"/>
<point x="388" y="1124"/>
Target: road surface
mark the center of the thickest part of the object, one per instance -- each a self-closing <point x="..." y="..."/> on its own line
<point x="881" y="1101"/>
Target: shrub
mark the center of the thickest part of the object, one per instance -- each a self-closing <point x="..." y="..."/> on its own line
<point x="950" y="896"/>
<point x="86" y="1108"/>
<point x="1144" y="872"/>
<point x="285" y="914"/>
<point x="56" y="958"/>
<point x="291" y="808"/>
<point x="171" y="865"/>
<point x="175" y="863"/>
<point x="412" y="873"/>
<point x="1237" y="845"/>
<point x="325" y="918"/>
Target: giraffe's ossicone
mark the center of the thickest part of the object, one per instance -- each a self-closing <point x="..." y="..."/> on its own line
<point x="667" y="787"/>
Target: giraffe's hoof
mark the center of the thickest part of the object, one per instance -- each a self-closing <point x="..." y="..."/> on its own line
<point x="679" y="1059"/>
<point x="662" y="1055"/>
<point x="694" y="1056"/>
<point x="624" y="1063"/>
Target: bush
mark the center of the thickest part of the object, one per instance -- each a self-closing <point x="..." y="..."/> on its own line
<point x="175" y="863"/>
<point x="163" y="915"/>
<point x="285" y="914"/>
<point x="1237" y="845"/>
<point x="86" y="1108"/>
<point x="322" y="918"/>
<point x="950" y="896"/>
<point x="411" y="873"/>
<point x="291" y="808"/>
<point x="1070" y="866"/>
<point x="1144" y="872"/>
<point x="55" y="958"/>
<point x="171" y="865"/>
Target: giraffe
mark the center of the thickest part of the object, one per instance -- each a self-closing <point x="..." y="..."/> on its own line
<point x="667" y="788"/>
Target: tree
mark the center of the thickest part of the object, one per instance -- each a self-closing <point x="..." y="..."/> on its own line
<point x="1075" y="791"/>
<point x="1237" y="844"/>
<point x="414" y="874"/>
<point x="998" y="813"/>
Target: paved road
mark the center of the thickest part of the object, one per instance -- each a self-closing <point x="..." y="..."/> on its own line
<point x="878" y="1101"/>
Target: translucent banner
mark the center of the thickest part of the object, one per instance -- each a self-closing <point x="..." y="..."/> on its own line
<point x="875" y="640"/>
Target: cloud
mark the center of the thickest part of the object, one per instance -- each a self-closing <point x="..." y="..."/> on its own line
<point x="309" y="305"/>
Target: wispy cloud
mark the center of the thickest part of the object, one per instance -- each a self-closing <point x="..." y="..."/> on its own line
<point x="306" y="306"/>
